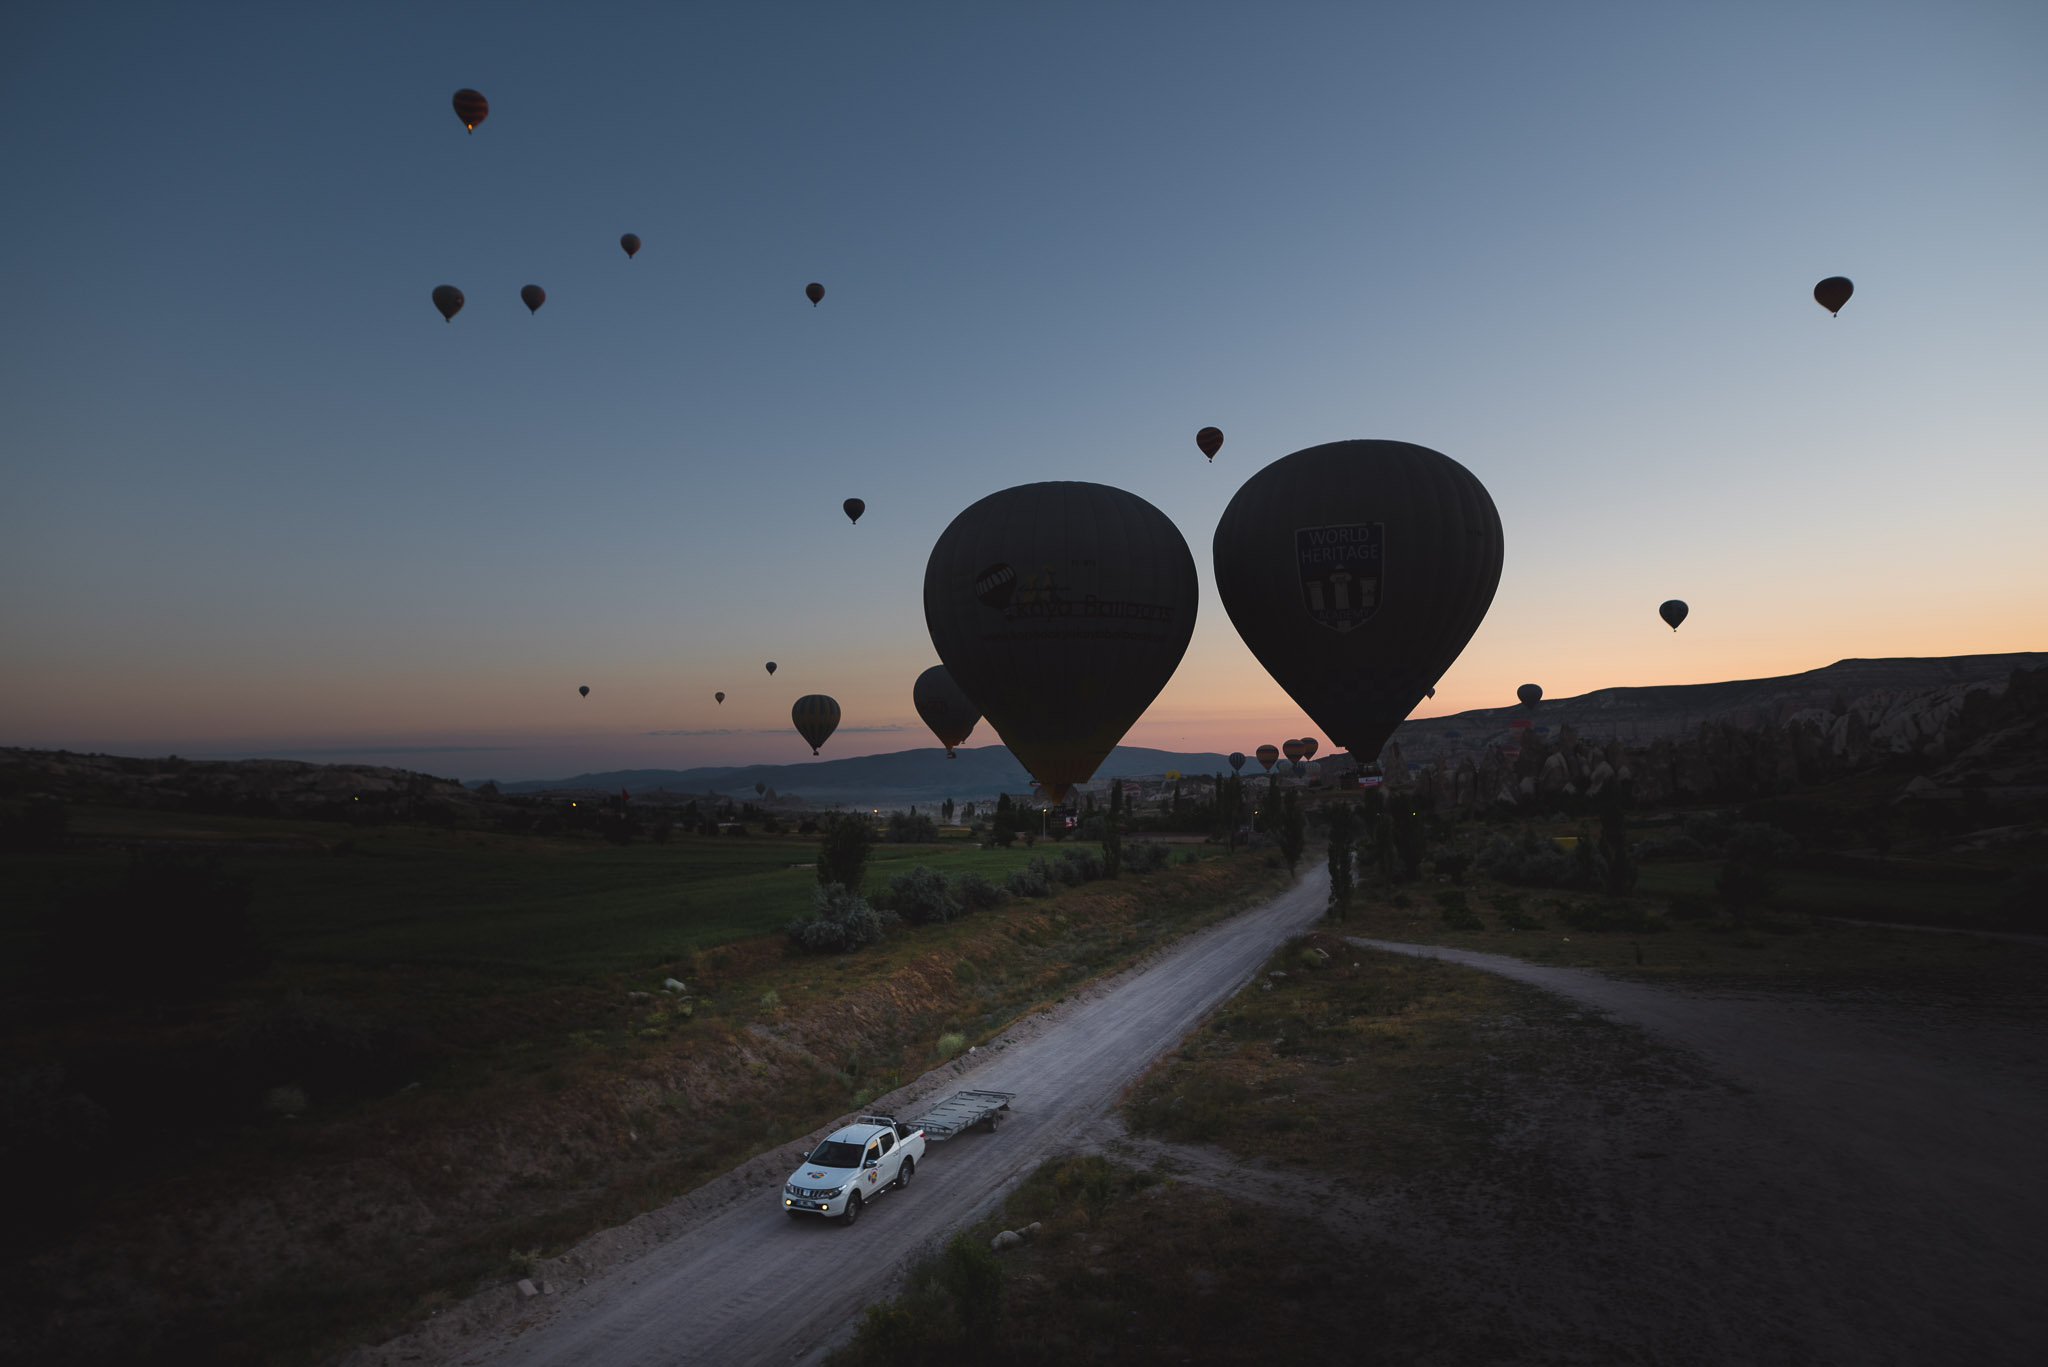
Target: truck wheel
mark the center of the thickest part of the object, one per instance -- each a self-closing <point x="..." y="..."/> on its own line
<point x="852" y="1209"/>
<point x="903" y="1176"/>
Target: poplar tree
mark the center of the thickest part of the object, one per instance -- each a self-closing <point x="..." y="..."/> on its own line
<point x="1112" y="831"/>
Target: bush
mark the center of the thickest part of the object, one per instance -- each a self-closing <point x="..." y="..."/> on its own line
<point x="1610" y="916"/>
<point x="1081" y="864"/>
<point x="951" y="1043"/>
<point x="914" y="828"/>
<point x="1453" y="866"/>
<point x="1455" y="912"/>
<point x="922" y="898"/>
<point x="1146" y="856"/>
<point x="839" y="923"/>
<point x="1033" y="880"/>
<point x="976" y="893"/>
<point x="1516" y="919"/>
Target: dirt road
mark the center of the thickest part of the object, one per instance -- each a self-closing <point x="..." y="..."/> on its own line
<point x="1861" y="1184"/>
<point x="739" y="1282"/>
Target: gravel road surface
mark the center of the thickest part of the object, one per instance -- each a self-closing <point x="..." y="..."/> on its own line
<point x="746" y="1284"/>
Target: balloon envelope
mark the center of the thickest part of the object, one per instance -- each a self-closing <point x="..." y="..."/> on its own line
<point x="1673" y="611"/>
<point x="945" y="709"/>
<point x="584" y="690"/>
<point x="720" y="697"/>
<point x="814" y="292"/>
<point x="631" y="242"/>
<point x="533" y="296"/>
<point x="1308" y="747"/>
<point x="1210" y="440"/>
<point x="1530" y="694"/>
<point x="1236" y="760"/>
<point x="1061" y="609"/>
<point x="1294" y="750"/>
<point x="816" y="717"/>
<point x="449" y="300"/>
<point x="472" y="108"/>
<point x="1833" y="292"/>
<point x="854" y="508"/>
<point x="1356" y="571"/>
<point x="771" y="666"/>
<point x="1266" y="755"/>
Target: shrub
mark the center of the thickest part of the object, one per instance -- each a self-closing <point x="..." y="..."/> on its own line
<point x="922" y="898"/>
<point x="1033" y="880"/>
<point x="1146" y="856"/>
<point x="976" y="893"/>
<point x="914" y="828"/>
<point x="1452" y="866"/>
<point x="951" y="1043"/>
<point x="1455" y="912"/>
<point x="1610" y="916"/>
<point x="839" y="923"/>
<point x="1078" y="865"/>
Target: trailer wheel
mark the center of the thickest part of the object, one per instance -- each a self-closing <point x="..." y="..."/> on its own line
<point x="852" y="1209"/>
<point x="903" y="1176"/>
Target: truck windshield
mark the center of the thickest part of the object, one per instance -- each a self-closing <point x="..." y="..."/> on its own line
<point x="835" y="1153"/>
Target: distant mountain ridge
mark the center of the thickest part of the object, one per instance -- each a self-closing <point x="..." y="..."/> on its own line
<point x="902" y="776"/>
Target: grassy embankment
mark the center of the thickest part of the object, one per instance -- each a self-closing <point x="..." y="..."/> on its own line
<point x="456" y="1014"/>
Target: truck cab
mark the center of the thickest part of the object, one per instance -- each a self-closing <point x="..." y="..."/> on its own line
<point x="852" y="1166"/>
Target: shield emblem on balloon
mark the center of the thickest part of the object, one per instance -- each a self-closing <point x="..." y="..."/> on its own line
<point x="1341" y="569"/>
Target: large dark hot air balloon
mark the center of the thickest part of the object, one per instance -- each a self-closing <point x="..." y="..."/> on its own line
<point x="814" y="292"/>
<point x="816" y="717"/>
<point x="1308" y="747"/>
<point x="472" y="108"/>
<point x="1061" y="609"/>
<point x="1673" y="611"/>
<point x="1294" y="750"/>
<point x="720" y="697"/>
<point x="631" y="242"/>
<point x="1833" y="292"/>
<point x="1356" y="572"/>
<point x="1530" y="694"/>
<point x="854" y="508"/>
<point x="1236" y="761"/>
<point x="1267" y="755"/>
<point x="945" y="709"/>
<point x="771" y="666"/>
<point x="584" y="691"/>
<point x="1210" y="439"/>
<point x="448" y="299"/>
<point x="533" y="296"/>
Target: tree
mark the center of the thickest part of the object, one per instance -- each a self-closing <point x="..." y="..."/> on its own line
<point x="946" y="811"/>
<point x="1343" y="836"/>
<point x="843" y="855"/>
<point x="1002" y="827"/>
<point x="1292" y="830"/>
<point x="1112" y="831"/>
<point x="1621" y="870"/>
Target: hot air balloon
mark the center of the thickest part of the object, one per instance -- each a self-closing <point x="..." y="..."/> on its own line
<point x="1833" y="292"/>
<point x="1308" y="747"/>
<point x="533" y="296"/>
<point x="760" y="789"/>
<point x="945" y="709"/>
<point x="816" y="717"/>
<point x="584" y="690"/>
<point x="1061" y="609"/>
<point x="1294" y="750"/>
<point x="814" y="292"/>
<point x="1530" y="694"/>
<point x="1267" y="755"/>
<point x="1431" y="693"/>
<point x="771" y="666"/>
<point x="1236" y="761"/>
<point x="1210" y="439"/>
<point x="448" y="299"/>
<point x="1673" y="611"/>
<point x="1357" y="615"/>
<point x="854" y="508"/>
<point x="1173" y="773"/>
<point x="720" y="697"/>
<point x="472" y="108"/>
<point x="631" y="242"/>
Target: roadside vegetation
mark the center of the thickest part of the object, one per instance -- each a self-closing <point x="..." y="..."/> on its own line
<point x="435" y="1056"/>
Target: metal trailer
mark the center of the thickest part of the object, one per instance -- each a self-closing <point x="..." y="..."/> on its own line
<point x="961" y="1110"/>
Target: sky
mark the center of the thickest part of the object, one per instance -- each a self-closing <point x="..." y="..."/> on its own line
<point x="259" y="499"/>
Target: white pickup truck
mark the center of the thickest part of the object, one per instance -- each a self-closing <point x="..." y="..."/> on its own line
<point x="853" y="1165"/>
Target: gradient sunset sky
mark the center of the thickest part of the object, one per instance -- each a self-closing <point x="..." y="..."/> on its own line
<point x="260" y="499"/>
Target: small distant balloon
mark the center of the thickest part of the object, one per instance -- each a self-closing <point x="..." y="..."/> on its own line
<point x="1210" y="439"/>
<point x="1266" y="756"/>
<point x="533" y="296"/>
<point x="1308" y="747"/>
<point x="1833" y="292"/>
<point x="814" y="292"/>
<point x="472" y="108"/>
<point x="1294" y="750"/>
<point x="1236" y="760"/>
<point x="760" y="789"/>
<point x="1673" y="611"/>
<point x="448" y="299"/>
<point x="720" y="697"/>
<point x="631" y="242"/>
<point x="946" y="709"/>
<point x="771" y="666"/>
<point x="854" y="508"/>
<point x="1530" y="694"/>
<point x="584" y="691"/>
<point x="1431" y="693"/>
<point x="816" y="717"/>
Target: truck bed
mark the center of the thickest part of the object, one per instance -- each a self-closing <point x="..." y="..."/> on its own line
<point x="961" y="1110"/>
